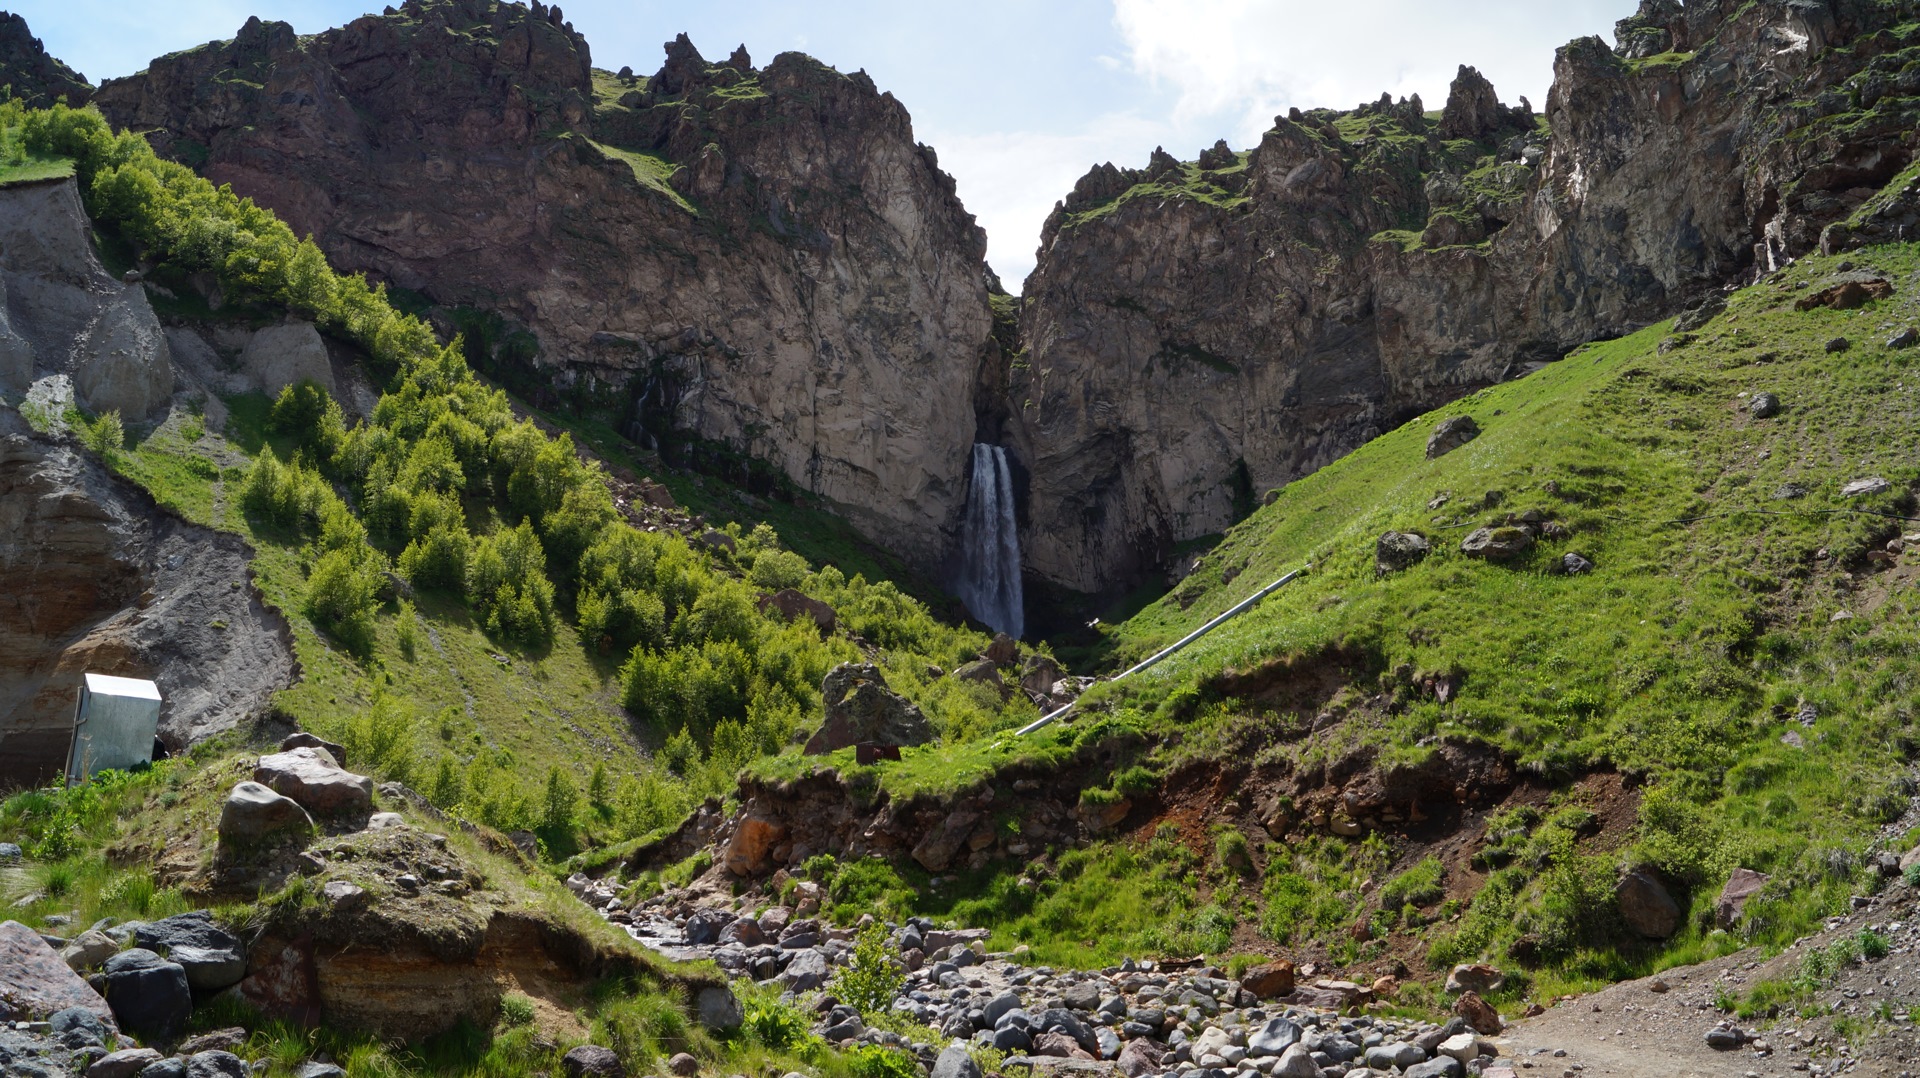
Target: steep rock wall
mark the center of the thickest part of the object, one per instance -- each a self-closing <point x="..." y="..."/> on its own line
<point x="761" y="258"/>
<point x="1196" y="333"/>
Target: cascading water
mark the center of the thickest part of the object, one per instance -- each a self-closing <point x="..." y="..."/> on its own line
<point x="990" y="546"/>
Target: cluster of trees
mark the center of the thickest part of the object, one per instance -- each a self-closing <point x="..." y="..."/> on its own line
<point x="443" y="487"/>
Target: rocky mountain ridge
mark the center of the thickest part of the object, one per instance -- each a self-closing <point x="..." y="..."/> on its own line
<point x="1197" y="333"/>
<point x="759" y="269"/>
<point x="734" y="263"/>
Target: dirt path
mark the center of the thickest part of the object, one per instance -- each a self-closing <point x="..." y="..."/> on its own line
<point x="1858" y="1023"/>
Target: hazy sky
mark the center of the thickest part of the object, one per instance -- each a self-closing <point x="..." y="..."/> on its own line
<point x="1019" y="98"/>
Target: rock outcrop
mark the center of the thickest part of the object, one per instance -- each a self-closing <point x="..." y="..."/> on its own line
<point x="732" y="261"/>
<point x="95" y="577"/>
<point x="62" y="313"/>
<point x="1196" y="333"/>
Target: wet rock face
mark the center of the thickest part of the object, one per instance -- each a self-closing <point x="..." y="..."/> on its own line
<point x="95" y="577"/>
<point x="1182" y="350"/>
<point x="761" y="257"/>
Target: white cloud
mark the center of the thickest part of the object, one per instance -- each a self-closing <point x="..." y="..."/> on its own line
<point x="1010" y="180"/>
<point x="1239" y="62"/>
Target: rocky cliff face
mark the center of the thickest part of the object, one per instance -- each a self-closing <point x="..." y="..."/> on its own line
<point x="756" y="259"/>
<point x="1197" y="332"/>
<point x="62" y="314"/>
<point x="95" y="577"/>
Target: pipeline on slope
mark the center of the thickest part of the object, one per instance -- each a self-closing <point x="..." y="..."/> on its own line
<point x="1238" y="608"/>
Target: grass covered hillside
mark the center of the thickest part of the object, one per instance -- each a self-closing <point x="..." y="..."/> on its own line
<point x="473" y="614"/>
<point x="1731" y="685"/>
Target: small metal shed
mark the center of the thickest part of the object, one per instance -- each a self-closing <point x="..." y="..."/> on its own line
<point x="113" y="725"/>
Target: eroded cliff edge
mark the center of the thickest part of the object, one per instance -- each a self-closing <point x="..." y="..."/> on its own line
<point x="760" y="260"/>
<point x="1199" y="332"/>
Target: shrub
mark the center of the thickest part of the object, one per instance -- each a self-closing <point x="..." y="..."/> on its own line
<point x="1417" y="886"/>
<point x="561" y="803"/>
<point x="515" y="1010"/>
<point x="777" y="569"/>
<point x="869" y="980"/>
<point x="775" y="1026"/>
<point x="343" y="591"/>
<point x="105" y="434"/>
<point x="873" y="1061"/>
<point x="1230" y="850"/>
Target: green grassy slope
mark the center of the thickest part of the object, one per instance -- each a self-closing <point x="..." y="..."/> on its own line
<point x="1733" y="608"/>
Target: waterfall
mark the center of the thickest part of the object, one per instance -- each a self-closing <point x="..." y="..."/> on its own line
<point x="990" y="546"/>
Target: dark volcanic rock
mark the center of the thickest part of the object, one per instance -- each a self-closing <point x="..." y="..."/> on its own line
<point x="149" y="995"/>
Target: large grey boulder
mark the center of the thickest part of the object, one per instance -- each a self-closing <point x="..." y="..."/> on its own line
<point x="955" y="1062"/>
<point x="125" y="1063"/>
<point x="807" y="971"/>
<point x="279" y="356"/>
<point x="217" y="1064"/>
<point x="89" y="949"/>
<point x="1496" y="544"/>
<point x="121" y="363"/>
<point x="718" y="1008"/>
<point x="862" y="710"/>
<point x="1395" y="551"/>
<point x="1450" y="435"/>
<point x="253" y="813"/>
<point x="311" y="777"/>
<point x="592" y="1061"/>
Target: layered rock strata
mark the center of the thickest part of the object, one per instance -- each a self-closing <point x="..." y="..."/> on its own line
<point x="754" y="262"/>
<point x="95" y="577"/>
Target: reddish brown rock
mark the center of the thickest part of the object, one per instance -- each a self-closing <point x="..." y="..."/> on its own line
<point x="791" y="604"/>
<point x="1740" y="888"/>
<point x="750" y="851"/>
<point x="1646" y="905"/>
<point x="35" y="981"/>
<point x="1474" y="978"/>
<point x="1478" y="1014"/>
<point x="1270" y="979"/>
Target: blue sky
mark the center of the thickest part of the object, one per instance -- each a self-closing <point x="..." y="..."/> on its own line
<point x="1019" y="98"/>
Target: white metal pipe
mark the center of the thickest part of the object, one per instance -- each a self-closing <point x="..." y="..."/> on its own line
<point x="1242" y="605"/>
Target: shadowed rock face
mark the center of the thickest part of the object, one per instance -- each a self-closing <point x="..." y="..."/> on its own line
<point x="758" y="257"/>
<point x="1186" y="351"/>
<point x="95" y="577"/>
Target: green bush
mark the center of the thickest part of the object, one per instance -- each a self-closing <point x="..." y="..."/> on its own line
<point x="869" y="980"/>
<point x="874" y="1061"/>
<point x="775" y="1026"/>
<point x="106" y="434"/>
